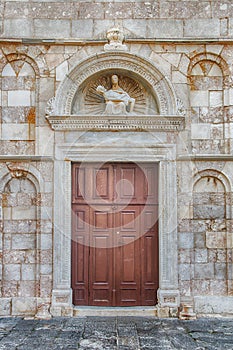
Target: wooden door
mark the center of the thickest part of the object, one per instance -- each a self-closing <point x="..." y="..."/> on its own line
<point x="115" y="234"/>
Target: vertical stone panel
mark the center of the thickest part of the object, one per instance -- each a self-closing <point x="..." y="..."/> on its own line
<point x="209" y="207"/>
<point x="207" y="107"/>
<point x="18" y="102"/>
<point x="19" y="238"/>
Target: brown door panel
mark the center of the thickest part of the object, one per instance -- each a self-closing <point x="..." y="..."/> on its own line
<point x="114" y="234"/>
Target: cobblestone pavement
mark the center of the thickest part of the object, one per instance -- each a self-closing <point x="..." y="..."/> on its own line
<point x="115" y="333"/>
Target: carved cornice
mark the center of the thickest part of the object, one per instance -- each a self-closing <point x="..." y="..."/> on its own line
<point x="113" y="123"/>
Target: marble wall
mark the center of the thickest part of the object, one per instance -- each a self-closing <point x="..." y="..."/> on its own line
<point x="190" y="43"/>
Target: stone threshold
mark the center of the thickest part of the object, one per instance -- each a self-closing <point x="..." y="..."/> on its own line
<point x="82" y="311"/>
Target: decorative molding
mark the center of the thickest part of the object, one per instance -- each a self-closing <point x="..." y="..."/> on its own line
<point x="113" y="123"/>
<point x="25" y="158"/>
<point x="65" y="154"/>
<point x="140" y="68"/>
<point x="205" y="157"/>
<point x="115" y="38"/>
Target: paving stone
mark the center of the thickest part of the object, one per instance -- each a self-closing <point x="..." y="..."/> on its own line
<point x="115" y="333"/>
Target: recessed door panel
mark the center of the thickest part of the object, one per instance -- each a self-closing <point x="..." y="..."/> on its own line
<point x="115" y="234"/>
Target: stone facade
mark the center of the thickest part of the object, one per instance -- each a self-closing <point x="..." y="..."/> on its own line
<point x="179" y="54"/>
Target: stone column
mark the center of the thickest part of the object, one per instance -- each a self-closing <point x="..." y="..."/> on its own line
<point x="62" y="293"/>
<point x="168" y="294"/>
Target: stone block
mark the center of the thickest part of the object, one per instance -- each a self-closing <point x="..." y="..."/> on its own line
<point x="216" y="240"/>
<point x="17" y="10"/>
<point x="214" y="305"/>
<point x="46" y="241"/>
<point x="199" y="240"/>
<point x="5" y="306"/>
<point x="15" y="131"/>
<point x="43" y="305"/>
<point x="220" y="270"/>
<point x="27" y="289"/>
<point x="47" y="28"/>
<point x="12" y="26"/>
<point x="46" y="269"/>
<point x="185" y="240"/>
<point x="230" y="26"/>
<point x="200" y="131"/>
<point x="47" y="88"/>
<point x="7" y="213"/>
<point x="82" y="28"/>
<point x="204" y="271"/>
<point x="216" y="98"/>
<point x="28" y="272"/>
<point x="45" y="141"/>
<point x="199" y="98"/>
<point x="23" y="306"/>
<point x="96" y="10"/>
<point x="201" y="255"/>
<point x="146" y="10"/>
<point x="15" y="114"/>
<point x="185" y="272"/>
<point x="118" y="10"/>
<point x="46" y="256"/>
<point x="9" y="288"/>
<point x="189" y="9"/>
<point x="53" y="10"/>
<point x="23" y="213"/>
<point x="201" y="287"/>
<point x="163" y="312"/>
<point x="13" y="256"/>
<point x="167" y="28"/>
<point x="61" y="71"/>
<point x="11" y="272"/>
<point x="219" y="287"/>
<point x="202" y="27"/>
<point x="23" y="241"/>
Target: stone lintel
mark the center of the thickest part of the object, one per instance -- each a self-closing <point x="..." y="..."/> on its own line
<point x="117" y="123"/>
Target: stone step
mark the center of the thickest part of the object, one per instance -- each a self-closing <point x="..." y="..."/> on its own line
<point x="82" y="311"/>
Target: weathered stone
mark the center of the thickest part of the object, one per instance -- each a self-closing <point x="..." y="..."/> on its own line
<point x="204" y="271"/>
<point x="11" y="27"/>
<point x="12" y="272"/>
<point x="23" y="306"/>
<point x="174" y="9"/>
<point x="48" y="28"/>
<point x="216" y="239"/>
<point x="202" y="27"/>
<point x="146" y="10"/>
<point x="118" y="10"/>
<point x="5" y="306"/>
<point x="23" y="241"/>
<point x="186" y="240"/>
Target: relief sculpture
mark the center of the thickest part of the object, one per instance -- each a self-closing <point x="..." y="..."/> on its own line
<point x="117" y="100"/>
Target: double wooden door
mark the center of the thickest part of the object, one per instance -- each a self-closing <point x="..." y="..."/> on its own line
<point x="114" y="234"/>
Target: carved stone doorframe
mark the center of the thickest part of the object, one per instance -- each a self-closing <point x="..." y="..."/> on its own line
<point x="165" y="155"/>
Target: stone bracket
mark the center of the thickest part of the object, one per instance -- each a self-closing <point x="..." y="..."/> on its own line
<point x="116" y="123"/>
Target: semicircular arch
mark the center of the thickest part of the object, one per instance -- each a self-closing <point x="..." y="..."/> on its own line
<point x="132" y="65"/>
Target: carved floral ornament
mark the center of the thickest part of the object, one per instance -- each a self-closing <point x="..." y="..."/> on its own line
<point x="115" y="90"/>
